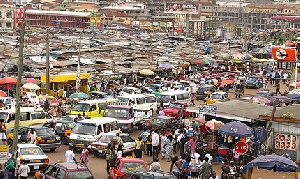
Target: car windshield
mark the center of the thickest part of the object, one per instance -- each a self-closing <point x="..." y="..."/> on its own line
<point x="216" y="96"/>
<point x="81" y="107"/>
<point x="67" y="118"/>
<point x="31" y="151"/>
<point x="140" y="100"/>
<point x="44" y="132"/>
<point x="123" y="100"/>
<point x="133" y="167"/>
<point x="103" y="140"/>
<point x="117" y="112"/>
<point x="164" y="98"/>
<point x="175" y="105"/>
<point x="80" y="174"/>
<point x="158" y="120"/>
<point x="85" y="129"/>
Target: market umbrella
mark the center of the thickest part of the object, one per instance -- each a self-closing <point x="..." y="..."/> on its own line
<point x="214" y="124"/>
<point x="236" y="129"/>
<point x="8" y="80"/>
<point x="275" y="162"/>
<point x="166" y="65"/>
<point x="228" y="82"/>
<point x="31" y="86"/>
<point x="45" y="97"/>
<point x="293" y="96"/>
<point x="146" y="72"/>
<point x="79" y="95"/>
<point x="196" y="62"/>
<point x="2" y="94"/>
<point x="29" y="80"/>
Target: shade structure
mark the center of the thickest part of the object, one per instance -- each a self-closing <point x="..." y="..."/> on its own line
<point x="8" y="80"/>
<point x="31" y="86"/>
<point x="201" y="61"/>
<point x="2" y="94"/>
<point x="274" y="162"/>
<point x="166" y="65"/>
<point x="214" y="124"/>
<point x="29" y="80"/>
<point x="146" y="72"/>
<point x="293" y="96"/>
<point x="79" y="95"/>
<point x="236" y="129"/>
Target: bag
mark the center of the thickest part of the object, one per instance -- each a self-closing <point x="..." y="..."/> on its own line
<point x="10" y="164"/>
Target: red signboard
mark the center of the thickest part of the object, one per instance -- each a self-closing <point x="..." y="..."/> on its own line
<point x="241" y="147"/>
<point x="19" y="15"/>
<point x="284" y="54"/>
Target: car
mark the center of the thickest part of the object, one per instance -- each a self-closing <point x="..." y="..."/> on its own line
<point x="130" y="90"/>
<point x="63" y="129"/>
<point x="33" y="156"/>
<point x="99" y="95"/>
<point x="159" y="122"/>
<point x="201" y="93"/>
<point x="98" y="147"/>
<point x="265" y="93"/>
<point x="219" y="96"/>
<point x="174" y="109"/>
<point x="45" y="137"/>
<point x="124" y="165"/>
<point x="147" y="175"/>
<point x="254" y="82"/>
<point x="67" y="171"/>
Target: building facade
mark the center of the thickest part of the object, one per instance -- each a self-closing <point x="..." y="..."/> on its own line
<point x="6" y="16"/>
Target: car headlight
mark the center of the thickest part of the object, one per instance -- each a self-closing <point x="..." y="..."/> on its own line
<point x="57" y="138"/>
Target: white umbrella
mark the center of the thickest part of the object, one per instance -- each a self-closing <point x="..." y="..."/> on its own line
<point x="31" y="86"/>
<point x="146" y="72"/>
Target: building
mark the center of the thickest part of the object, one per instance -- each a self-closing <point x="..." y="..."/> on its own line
<point x="6" y="15"/>
<point x="116" y="17"/>
<point x="61" y="19"/>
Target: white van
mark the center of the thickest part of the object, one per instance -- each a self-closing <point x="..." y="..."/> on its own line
<point x="169" y="97"/>
<point x="88" y="131"/>
<point x="139" y="101"/>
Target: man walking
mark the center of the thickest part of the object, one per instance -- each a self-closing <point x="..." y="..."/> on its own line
<point x="155" y="143"/>
<point x="23" y="170"/>
<point x="70" y="156"/>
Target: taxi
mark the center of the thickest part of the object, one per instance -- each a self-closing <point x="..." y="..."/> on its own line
<point x="33" y="156"/>
<point x="125" y="165"/>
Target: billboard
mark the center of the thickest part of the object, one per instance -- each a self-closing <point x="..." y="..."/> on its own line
<point x="95" y="22"/>
<point x="180" y="8"/>
<point x="19" y="13"/>
<point x="284" y="54"/>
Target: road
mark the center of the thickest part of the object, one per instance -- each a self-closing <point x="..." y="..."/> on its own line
<point x="98" y="164"/>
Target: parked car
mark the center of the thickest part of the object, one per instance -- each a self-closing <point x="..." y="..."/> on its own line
<point x="45" y="137"/>
<point x="201" y="93"/>
<point x="98" y="147"/>
<point x="130" y="90"/>
<point x="158" y="122"/>
<point x="124" y="165"/>
<point x="99" y="95"/>
<point x="33" y="156"/>
<point x="67" y="171"/>
<point x="63" y="129"/>
<point x="147" y="175"/>
<point x="174" y="109"/>
<point x="265" y="93"/>
<point x="219" y="96"/>
<point x="254" y="82"/>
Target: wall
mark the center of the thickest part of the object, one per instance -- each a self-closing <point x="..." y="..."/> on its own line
<point x="6" y="17"/>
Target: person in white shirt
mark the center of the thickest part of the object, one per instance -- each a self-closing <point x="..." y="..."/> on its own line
<point x="155" y="166"/>
<point x="155" y="143"/>
<point x="23" y="170"/>
<point x="70" y="156"/>
<point x="214" y="175"/>
<point x="119" y="152"/>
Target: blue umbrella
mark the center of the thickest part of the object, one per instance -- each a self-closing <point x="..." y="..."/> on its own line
<point x="236" y="129"/>
<point x="79" y="95"/>
<point x="275" y="162"/>
<point x="293" y="96"/>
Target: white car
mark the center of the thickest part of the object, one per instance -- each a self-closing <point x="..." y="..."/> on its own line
<point x="33" y="156"/>
<point x="130" y="90"/>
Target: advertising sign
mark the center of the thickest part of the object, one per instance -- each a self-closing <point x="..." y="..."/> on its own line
<point x="95" y="22"/>
<point x="19" y="13"/>
<point x="284" y="54"/>
<point x="180" y="8"/>
<point x="285" y="142"/>
<point x="136" y="23"/>
<point x="208" y="109"/>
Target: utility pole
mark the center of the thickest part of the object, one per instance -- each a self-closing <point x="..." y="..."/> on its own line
<point x="18" y="91"/>
<point x="47" y="64"/>
<point x="245" y="36"/>
<point x="78" y="67"/>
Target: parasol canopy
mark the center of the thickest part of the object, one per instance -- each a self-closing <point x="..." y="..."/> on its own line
<point x="8" y="80"/>
<point x="31" y="86"/>
<point x="79" y="95"/>
<point x="166" y="65"/>
<point x="29" y="80"/>
<point x="214" y="124"/>
<point x="146" y="72"/>
<point x="236" y="129"/>
<point x="2" y="94"/>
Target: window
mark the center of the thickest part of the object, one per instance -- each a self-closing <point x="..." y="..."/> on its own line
<point x="38" y="115"/>
<point x="93" y="108"/>
<point x="61" y="174"/>
<point x="80" y="174"/>
<point x="0" y="24"/>
<point x="127" y="139"/>
<point x="0" y="14"/>
<point x="8" y="15"/>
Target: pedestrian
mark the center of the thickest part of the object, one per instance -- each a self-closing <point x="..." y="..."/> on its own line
<point x="285" y="76"/>
<point x="23" y="170"/>
<point x="144" y="135"/>
<point x="163" y="141"/>
<point x="155" y="143"/>
<point x="149" y="145"/>
<point x="31" y="137"/>
<point x="225" y="170"/>
<point x="109" y="156"/>
<point x="155" y="166"/>
<point x="214" y="175"/>
<point x="192" y="144"/>
<point x="119" y="141"/>
<point x="84" y="156"/>
<point x="193" y="96"/>
<point x="182" y="142"/>
<point x="185" y="168"/>
<point x="277" y="89"/>
<point x="206" y="169"/>
<point x="3" y="131"/>
<point x="161" y="112"/>
<point x="273" y="73"/>
<point x="9" y="168"/>
<point x="70" y="156"/>
<point x="175" y="167"/>
<point x="119" y="152"/>
<point x="139" y="145"/>
<point x="169" y="147"/>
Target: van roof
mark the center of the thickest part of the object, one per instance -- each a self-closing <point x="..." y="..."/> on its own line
<point x="133" y="96"/>
<point x="98" y="101"/>
<point x="174" y="92"/>
<point x="23" y="109"/>
<point x="99" y="120"/>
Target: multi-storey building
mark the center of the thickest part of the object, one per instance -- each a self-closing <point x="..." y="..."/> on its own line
<point x="6" y="15"/>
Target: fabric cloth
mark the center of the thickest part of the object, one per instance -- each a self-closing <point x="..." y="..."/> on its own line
<point x="69" y="156"/>
<point x="163" y="142"/>
<point x="155" y="166"/>
<point x="23" y="170"/>
<point x="169" y="148"/>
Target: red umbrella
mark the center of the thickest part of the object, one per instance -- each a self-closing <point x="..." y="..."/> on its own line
<point x="2" y="94"/>
<point x="29" y="80"/>
<point x="8" y="80"/>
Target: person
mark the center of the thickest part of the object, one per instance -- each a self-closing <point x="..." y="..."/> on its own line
<point x="155" y="166"/>
<point x="185" y="169"/>
<point x="119" y="152"/>
<point x="163" y="142"/>
<point x="155" y="143"/>
<point x="23" y="170"/>
<point x="161" y="112"/>
<point x="192" y="144"/>
<point x="175" y="167"/>
<point x="206" y="169"/>
<point x="9" y="168"/>
<point x="109" y="156"/>
<point x="277" y="85"/>
<point x="84" y="155"/>
<point x="193" y="96"/>
<point x="3" y="131"/>
<point x="144" y="135"/>
<point x="214" y="175"/>
<point x="149" y="145"/>
<point x="169" y="147"/>
<point x="225" y="170"/>
<point x="139" y="145"/>
<point x="70" y="156"/>
<point x="119" y="141"/>
<point x="31" y="137"/>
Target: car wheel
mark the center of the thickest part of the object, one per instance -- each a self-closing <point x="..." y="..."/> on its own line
<point x="9" y="142"/>
<point x="52" y="150"/>
<point x="65" y="140"/>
